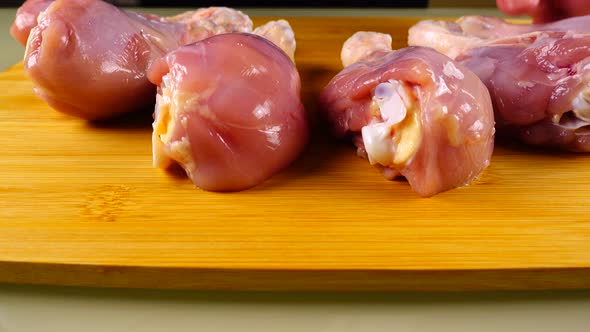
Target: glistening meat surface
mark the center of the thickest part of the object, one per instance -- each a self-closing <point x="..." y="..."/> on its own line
<point x="89" y="59"/>
<point x="26" y="19"/>
<point x="228" y="111"/>
<point x="413" y="112"/>
<point x="538" y="75"/>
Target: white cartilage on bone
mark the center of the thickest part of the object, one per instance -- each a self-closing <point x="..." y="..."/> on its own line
<point x="392" y="100"/>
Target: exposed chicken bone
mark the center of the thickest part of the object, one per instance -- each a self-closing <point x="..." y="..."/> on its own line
<point x="396" y="138"/>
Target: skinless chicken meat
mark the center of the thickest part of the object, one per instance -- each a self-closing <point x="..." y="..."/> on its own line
<point x="538" y="75"/>
<point x="412" y="112"/>
<point x="228" y="110"/>
<point x="212" y="20"/>
<point x="26" y="19"/>
<point x="89" y="59"/>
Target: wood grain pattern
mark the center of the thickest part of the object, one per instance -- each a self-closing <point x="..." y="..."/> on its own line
<point x="80" y="204"/>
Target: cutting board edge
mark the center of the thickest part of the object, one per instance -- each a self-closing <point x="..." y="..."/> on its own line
<point x="236" y="279"/>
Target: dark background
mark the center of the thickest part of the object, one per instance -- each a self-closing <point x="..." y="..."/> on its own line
<point x="257" y="3"/>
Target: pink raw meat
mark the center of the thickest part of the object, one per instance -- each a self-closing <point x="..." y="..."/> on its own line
<point x="26" y="19"/>
<point x="412" y="112"/>
<point x="538" y="75"/>
<point x="89" y="59"/>
<point x="212" y="20"/>
<point x="228" y="111"/>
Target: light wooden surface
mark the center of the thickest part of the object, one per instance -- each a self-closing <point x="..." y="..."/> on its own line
<point x="81" y="205"/>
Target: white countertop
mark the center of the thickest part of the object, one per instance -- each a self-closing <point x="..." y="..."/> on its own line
<point x="61" y="309"/>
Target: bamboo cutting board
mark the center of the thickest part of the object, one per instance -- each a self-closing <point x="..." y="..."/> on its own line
<point x="80" y="204"/>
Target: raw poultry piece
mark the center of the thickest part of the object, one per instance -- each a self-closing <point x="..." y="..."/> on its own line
<point x="412" y="112"/>
<point x="538" y="75"/>
<point x="228" y="111"/>
<point x="545" y="10"/>
<point x="26" y="19"/>
<point x="89" y="58"/>
<point x="211" y="20"/>
<point x="454" y="38"/>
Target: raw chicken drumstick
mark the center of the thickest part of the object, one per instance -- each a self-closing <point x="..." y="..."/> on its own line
<point x="26" y="19"/>
<point x="214" y="20"/>
<point x="228" y="110"/>
<point x="412" y="112"/>
<point x="538" y="75"/>
<point x="89" y="58"/>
